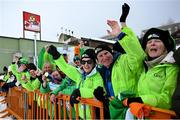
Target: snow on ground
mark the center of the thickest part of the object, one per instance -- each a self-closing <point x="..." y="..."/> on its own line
<point x="3" y="107"/>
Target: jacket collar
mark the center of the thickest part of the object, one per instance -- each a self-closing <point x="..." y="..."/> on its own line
<point x="94" y="71"/>
<point x="169" y="58"/>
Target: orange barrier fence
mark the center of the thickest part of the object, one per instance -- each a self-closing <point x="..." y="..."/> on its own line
<point x="157" y="113"/>
<point x="35" y="105"/>
<point x="62" y="105"/>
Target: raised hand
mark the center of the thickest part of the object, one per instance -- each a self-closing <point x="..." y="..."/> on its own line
<point x="52" y="50"/>
<point x="115" y="28"/>
<point x="125" y="12"/>
<point x="24" y="78"/>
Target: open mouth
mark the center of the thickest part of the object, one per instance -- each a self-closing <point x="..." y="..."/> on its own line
<point x="153" y="50"/>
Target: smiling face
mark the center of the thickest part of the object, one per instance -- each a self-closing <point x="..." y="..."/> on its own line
<point x="56" y="75"/>
<point x="87" y="65"/>
<point x="155" y="48"/>
<point x="47" y="68"/>
<point x="105" y="58"/>
<point x="33" y="73"/>
<point x="22" y="67"/>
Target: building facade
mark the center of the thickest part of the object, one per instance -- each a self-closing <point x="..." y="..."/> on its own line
<point x="10" y="48"/>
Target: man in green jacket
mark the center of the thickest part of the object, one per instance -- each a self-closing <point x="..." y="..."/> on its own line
<point x="119" y="70"/>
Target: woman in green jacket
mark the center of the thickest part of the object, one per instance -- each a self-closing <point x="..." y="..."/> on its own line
<point x="157" y="73"/>
<point x="87" y="79"/>
<point x="158" y="76"/>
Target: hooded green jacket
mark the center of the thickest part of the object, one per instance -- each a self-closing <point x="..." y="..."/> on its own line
<point x="87" y="86"/>
<point x="126" y="68"/>
<point x="18" y="75"/>
<point x="30" y="85"/>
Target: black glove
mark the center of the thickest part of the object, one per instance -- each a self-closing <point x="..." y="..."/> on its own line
<point x="40" y="78"/>
<point x="53" y="51"/>
<point x="177" y="56"/>
<point x="125" y="12"/>
<point x="75" y="94"/>
<point x="99" y="94"/>
<point x="135" y="99"/>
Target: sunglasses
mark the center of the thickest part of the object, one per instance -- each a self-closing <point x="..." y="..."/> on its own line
<point x="83" y="62"/>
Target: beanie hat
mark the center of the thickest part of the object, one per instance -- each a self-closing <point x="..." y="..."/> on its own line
<point x="76" y="57"/>
<point x="163" y="35"/>
<point x="23" y="61"/>
<point x="102" y="47"/>
<point x="5" y="68"/>
<point x="31" y="66"/>
<point x="89" y="53"/>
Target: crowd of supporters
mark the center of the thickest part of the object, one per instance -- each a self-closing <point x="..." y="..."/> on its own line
<point x="121" y="78"/>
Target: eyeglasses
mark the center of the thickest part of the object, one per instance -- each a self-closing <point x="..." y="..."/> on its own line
<point x="83" y="62"/>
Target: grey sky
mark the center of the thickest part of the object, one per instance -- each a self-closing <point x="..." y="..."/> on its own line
<point x="86" y="18"/>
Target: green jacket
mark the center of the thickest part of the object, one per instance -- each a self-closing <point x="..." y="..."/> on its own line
<point x="156" y="86"/>
<point x="87" y="86"/>
<point x="6" y="77"/>
<point x="32" y="85"/>
<point x="49" y="88"/>
<point x="125" y="70"/>
<point x="19" y="74"/>
<point x="64" y="88"/>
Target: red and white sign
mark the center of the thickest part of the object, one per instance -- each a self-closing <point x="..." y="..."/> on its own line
<point x="31" y="22"/>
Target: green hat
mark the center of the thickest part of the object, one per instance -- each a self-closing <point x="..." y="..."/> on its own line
<point x="23" y="60"/>
<point x="76" y="58"/>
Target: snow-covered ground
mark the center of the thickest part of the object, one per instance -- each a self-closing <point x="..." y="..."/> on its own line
<point x="3" y="107"/>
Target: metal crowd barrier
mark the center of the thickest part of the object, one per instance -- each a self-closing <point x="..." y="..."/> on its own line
<point x="35" y="105"/>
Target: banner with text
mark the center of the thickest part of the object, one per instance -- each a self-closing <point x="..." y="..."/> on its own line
<point x="31" y="22"/>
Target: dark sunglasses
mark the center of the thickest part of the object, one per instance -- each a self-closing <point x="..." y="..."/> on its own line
<point x="88" y="62"/>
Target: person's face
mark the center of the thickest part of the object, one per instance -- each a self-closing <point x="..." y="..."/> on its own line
<point x="105" y="58"/>
<point x="33" y="73"/>
<point x="77" y="62"/>
<point x="155" y="48"/>
<point x="87" y="64"/>
<point x="56" y="75"/>
<point x="47" y="68"/>
<point x="22" y="67"/>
